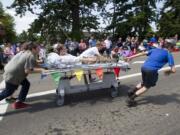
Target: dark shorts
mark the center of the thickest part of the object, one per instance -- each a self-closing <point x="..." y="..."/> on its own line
<point x="149" y="77"/>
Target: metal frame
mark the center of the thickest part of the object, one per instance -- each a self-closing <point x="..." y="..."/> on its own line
<point x="65" y="87"/>
<point x="108" y="81"/>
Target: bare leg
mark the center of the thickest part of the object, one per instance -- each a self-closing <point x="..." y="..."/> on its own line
<point x="89" y="60"/>
<point x="138" y="86"/>
<point x="133" y="91"/>
<point x="141" y="91"/>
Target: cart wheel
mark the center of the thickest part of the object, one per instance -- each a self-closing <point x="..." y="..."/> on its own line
<point x="57" y="91"/>
<point x="60" y="101"/>
<point x="114" y="92"/>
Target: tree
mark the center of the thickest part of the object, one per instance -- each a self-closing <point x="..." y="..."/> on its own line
<point x="8" y="24"/>
<point x="133" y="17"/>
<point x="120" y="16"/>
<point x="169" y="22"/>
<point x="60" y="18"/>
<point x="144" y="15"/>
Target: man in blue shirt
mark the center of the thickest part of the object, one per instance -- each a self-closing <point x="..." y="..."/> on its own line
<point x="92" y="42"/>
<point x="157" y="58"/>
<point x="153" y="39"/>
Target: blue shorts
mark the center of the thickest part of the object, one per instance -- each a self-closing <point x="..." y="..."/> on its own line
<point x="149" y="77"/>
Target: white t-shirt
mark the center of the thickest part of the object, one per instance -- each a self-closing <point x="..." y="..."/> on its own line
<point x="108" y="43"/>
<point x="57" y="61"/>
<point x="42" y="53"/>
<point x="91" y="52"/>
<point x="53" y="58"/>
<point x="69" y="59"/>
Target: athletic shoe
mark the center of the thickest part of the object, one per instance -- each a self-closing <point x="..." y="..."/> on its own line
<point x="10" y="100"/>
<point x="131" y="92"/>
<point x="131" y="102"/>
<point x="19" y="105"/>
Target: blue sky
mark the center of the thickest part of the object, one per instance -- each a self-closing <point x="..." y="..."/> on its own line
<point x="23" y="23"/>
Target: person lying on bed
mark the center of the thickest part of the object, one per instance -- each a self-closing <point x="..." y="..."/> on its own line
<point x="66" y="58"/>
<point x="95" y="52"/>
<point x="89" y="56"/>
<point x="59" y="58"/>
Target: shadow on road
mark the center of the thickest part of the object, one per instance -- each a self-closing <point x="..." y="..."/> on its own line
<point x="93" y="97"/>
<point x="160" y="99"/>
<point x="88" y="98"/>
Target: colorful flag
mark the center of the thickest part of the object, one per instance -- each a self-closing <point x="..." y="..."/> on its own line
<point x="79" y="74"/>
<point x="99" y="73"/>
<point x="116" y="71"/>
<point x="56" y="77"/>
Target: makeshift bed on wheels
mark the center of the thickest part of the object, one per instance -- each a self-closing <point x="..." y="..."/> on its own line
<point x="108" y="79"/>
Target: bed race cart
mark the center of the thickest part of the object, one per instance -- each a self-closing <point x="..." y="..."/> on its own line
<point x="106" y="75"/>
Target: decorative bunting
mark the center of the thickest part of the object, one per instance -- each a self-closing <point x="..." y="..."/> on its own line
<point x="116" y="71"/>
<point x="56" y="77"/>
<point x="79" y="74"/>
<point x="99" y="73"/>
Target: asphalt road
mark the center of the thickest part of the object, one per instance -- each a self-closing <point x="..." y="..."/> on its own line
<point x="96" y="113"/>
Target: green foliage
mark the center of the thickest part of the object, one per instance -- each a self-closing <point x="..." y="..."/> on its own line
<point x="60" y="19"/>
<point x="132" y="18"/>
<point x="8" y="23"/>
<point x="169" y="22"/>
<point x="29" y="36"/>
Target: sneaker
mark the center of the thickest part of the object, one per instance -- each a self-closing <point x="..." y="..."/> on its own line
<point x="19" y="105"/>
<point x="10" y="100"/>
<point x="132" y="92"/>
<point x="131" y="103"/>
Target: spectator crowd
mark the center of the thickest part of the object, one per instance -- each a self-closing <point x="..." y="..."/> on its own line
<point x="121" y="47"/>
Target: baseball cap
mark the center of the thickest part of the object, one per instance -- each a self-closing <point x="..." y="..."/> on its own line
<point x="171" y="41"/>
